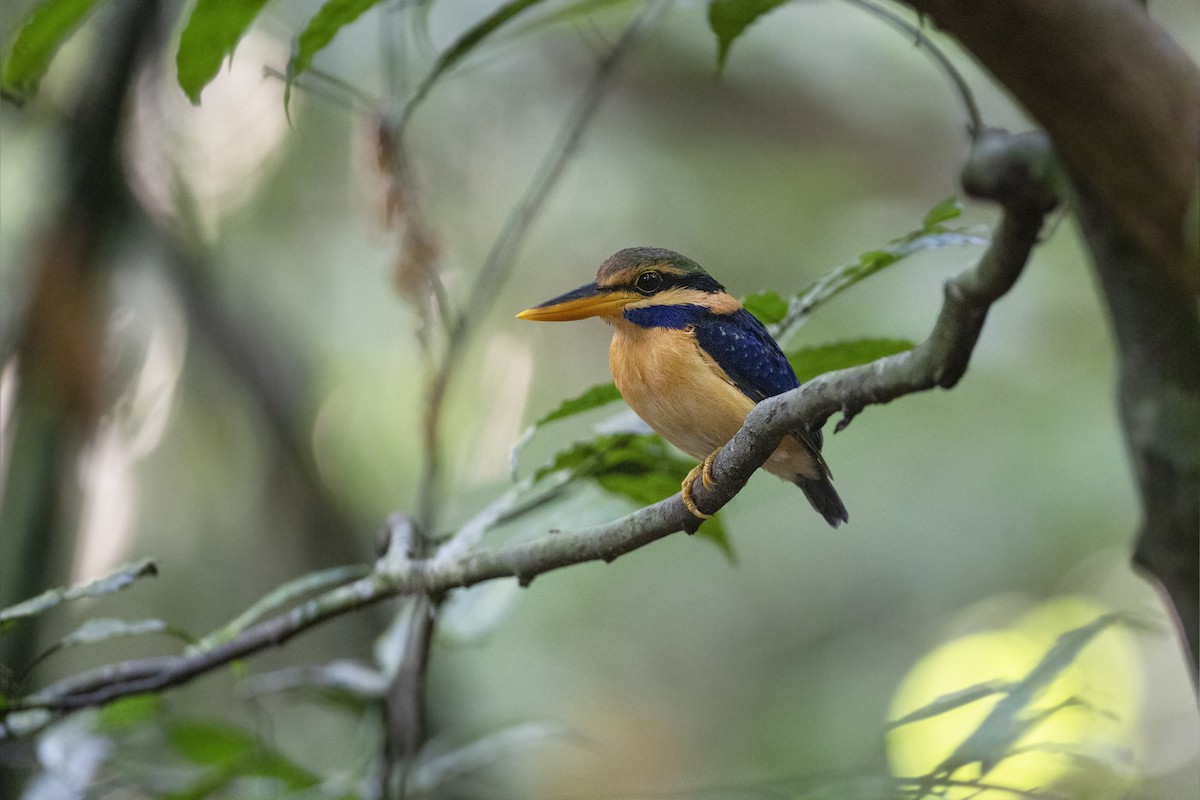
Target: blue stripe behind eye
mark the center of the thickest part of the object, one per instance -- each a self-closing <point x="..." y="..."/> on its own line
<point x="675" y="317"/>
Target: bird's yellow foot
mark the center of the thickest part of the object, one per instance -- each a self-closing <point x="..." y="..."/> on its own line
<point x="703" y="471"/>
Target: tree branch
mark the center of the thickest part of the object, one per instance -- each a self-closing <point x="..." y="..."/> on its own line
<point x="1121" y="104"/>
<point x="1158" y="338"/>
<point x="1012" y="170"/>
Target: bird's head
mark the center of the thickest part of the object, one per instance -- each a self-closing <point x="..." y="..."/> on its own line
<point x="637" y="277"/>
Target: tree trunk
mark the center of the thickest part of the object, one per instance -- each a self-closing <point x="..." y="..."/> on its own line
<point x="1121" y="102"/>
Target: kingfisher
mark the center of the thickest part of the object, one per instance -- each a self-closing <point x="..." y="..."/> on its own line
<point x="692" y="362"/>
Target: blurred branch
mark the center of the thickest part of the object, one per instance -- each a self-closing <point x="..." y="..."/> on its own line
<point x="975" y="124"/>
<point x="406" y="716"/>
<point x="921" y="788"/>
<point x="1012" y="170"/>
<point x="329" y="87"/>
<point x="499" y="260"/>
<point x="1158" y="340"/>
<point x="280" y="597"/>
<point x="59" y="365"/>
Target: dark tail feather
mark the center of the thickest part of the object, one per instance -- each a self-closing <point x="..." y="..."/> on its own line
<point x="824" y="499"/>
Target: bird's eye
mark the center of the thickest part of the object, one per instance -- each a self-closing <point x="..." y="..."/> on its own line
<point x="648" y="282"/>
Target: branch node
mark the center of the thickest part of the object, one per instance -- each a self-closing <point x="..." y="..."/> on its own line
<point x="1019" y="171"/>
<point x="849" y="412"/>
<point x="397" y="537"/>
<point x="692" y="523"/>
<point x="955" y="292"/>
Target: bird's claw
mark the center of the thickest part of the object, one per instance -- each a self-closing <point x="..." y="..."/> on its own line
<point x="703" y="471"/>
<point x="706" y="475"/>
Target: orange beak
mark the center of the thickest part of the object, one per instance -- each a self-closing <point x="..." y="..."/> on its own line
<point x="588" y="300"/>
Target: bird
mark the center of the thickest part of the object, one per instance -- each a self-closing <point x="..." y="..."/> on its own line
<point x="692" y="362"/>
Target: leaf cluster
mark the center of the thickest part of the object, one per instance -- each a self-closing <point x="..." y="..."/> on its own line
<point x="1015" y="713"/>
<point x="92" y="631"/>
<point x="214" y="28"/>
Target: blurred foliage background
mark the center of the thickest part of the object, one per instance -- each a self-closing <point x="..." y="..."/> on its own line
<point x="984" y="521"/>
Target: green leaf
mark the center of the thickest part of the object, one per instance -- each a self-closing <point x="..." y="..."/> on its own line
<point x="596" y="456"/>
<point x="873" y="261"/>
<point x="46" y="27"/>
<point x="273" y="764"/>
<point x="104" y="628"/>
<point x="325" y="24"/>
<point x="640" y="467"/>
<point x="210" y="743"/>
<point x="728" y="19"/>
<point x="121" y="578"/>
<point x="930" y="236"/>
<point x="948" y="702"/>
<point x="768" y="306"/>
<point x="128" y="713"/>
<point x="652" y="487"/>
<point x="1060" y="656"/>
<point x="209" y="784"/>
<point x="391" y="646"/>
<point x="809" y="362"/>
<point x="467" y="42"/>
<point x="434" y="771"/>
<point x="25" y="723"/>
<point x="598" y="395"/>
<point x="1008" y="721"/>
<point x="470" y="615"/>
<point x="286" y="594"/>
<point x="212" y="33"/>
<point x="348" y="683"/>
<point x="115" y="581"/>
<point x="232" y="752"/>
<point x="948" y="209"/>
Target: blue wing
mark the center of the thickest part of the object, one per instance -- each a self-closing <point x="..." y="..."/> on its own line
<point x="741" y="346"/>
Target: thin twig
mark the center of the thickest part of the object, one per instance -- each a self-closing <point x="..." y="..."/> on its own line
<point x="282" y="596"/>
<point x="510" y="505"/>
<point x="975" y="125"/>
<point x="498" y="263"/>
<point x="405" y="729"/>
<point x="416" y="268"/>
<point x="500" y="259"/>
<point x="336" y="89"/>
<point x="920" y="788"/>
